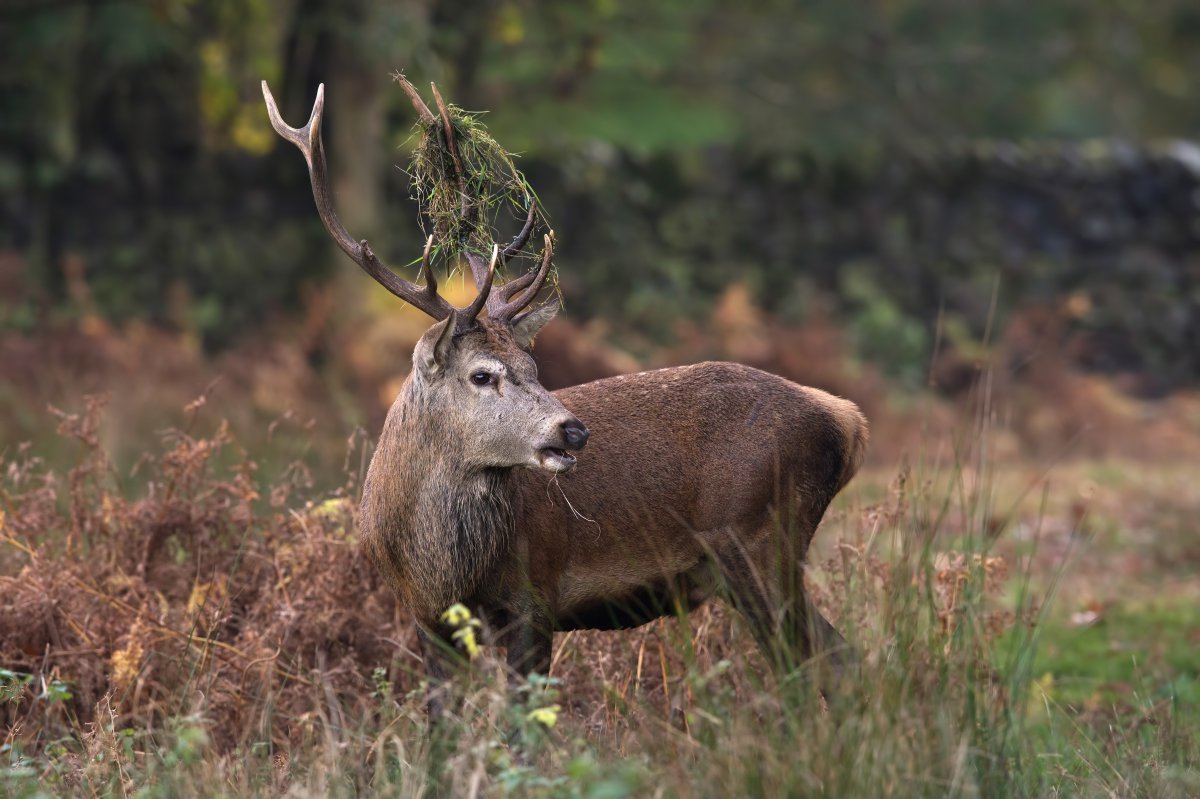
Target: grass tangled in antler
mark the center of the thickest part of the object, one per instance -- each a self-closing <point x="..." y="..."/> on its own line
<point x="493" y="185"/>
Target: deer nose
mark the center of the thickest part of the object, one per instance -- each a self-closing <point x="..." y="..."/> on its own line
<point x="575" y="434"/>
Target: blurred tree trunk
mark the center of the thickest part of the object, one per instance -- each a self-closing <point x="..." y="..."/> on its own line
<point x="469" y="21"/>
<point x="355" y="141"/>
<point x="331" y="44"/>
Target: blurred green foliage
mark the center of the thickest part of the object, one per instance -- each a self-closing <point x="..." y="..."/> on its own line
<point x="856" y="150"/>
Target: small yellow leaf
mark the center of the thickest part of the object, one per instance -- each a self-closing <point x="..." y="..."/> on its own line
<point x="1041" y="693"/>
<point x="466" y="637"/>
<point x="456" y="615"/>
<point x="128" y="661"/>
<point x="546" y="716"/>
<point x="332" y="508"/>
<point x="211" y="594"/>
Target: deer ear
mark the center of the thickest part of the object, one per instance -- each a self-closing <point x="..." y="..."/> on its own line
<point x="527" y="326"/>
<point x="433" y="353"/>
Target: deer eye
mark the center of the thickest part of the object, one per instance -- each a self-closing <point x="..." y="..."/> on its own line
<point x="482" y="378"/>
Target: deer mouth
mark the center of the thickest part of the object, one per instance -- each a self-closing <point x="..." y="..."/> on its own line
<point x="553" y="459"/>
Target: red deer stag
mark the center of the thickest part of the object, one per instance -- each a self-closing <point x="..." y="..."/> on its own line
<point x="697" y="479"/>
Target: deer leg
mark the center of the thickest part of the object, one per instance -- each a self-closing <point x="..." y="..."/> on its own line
<point x="439" y="657"/>
<point x="766" y="586"/>
<point x="530" y="642"/>
<point x="808" y="633"/>
<point x="437" y="654"/>
<point x="745" y="587"/>
<point x="813" y="634"/>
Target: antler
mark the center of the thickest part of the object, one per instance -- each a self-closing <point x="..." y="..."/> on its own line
<point x="503" y="304"/>
<point x="308" y="140"/>
<point x="500" y="302"/>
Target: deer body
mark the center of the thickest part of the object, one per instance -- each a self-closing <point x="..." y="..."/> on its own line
<point x="701" y="479"/>
<point x="697" y="478"/>
<point x="689" y="468"/>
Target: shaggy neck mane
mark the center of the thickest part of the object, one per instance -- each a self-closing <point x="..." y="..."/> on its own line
<point x="441" y="523"/>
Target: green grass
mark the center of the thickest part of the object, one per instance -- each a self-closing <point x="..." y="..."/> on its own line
<point x="1136" y="652"/>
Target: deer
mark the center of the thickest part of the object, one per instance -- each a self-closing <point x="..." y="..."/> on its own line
<point x="600" y="506"/>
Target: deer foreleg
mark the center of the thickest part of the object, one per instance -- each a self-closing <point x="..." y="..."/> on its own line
<point x="814" y="637"/>
<point x="530" y="641"/>
<point x="438" y="656"/>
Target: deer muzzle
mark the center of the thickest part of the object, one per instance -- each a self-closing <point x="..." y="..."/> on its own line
<point x="574" y="436"/>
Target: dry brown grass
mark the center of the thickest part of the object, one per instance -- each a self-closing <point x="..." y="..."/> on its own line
<point x="213" y="625"/>
<point x="201" y="593"/>
<point x="257" y="607"/>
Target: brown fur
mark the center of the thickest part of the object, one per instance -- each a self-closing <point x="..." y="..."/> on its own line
<point x="695" y="478"/>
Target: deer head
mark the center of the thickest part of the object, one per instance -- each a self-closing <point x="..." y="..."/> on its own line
<point x="473" y="376"/>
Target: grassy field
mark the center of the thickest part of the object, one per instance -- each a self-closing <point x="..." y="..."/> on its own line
<point x="199" y="628"/>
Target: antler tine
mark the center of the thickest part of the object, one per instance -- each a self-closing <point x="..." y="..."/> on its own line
<point x="510" y="309"/>
<point x="479" y="268"/>
<point x="301" y="137"/>
<point x="466" y="207"/>
<point x="427" y="117"/>
<point x="430" y="280"/>
<point x="308" y="140"/>
<point x="509" y="289"/>
<point x="468" y="314"/>
<point x="518" y="242"/>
